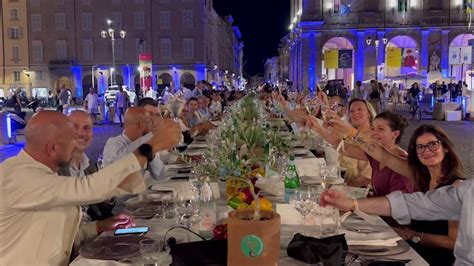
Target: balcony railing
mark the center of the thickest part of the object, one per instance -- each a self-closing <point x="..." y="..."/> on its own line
<point x="394" y="18"/>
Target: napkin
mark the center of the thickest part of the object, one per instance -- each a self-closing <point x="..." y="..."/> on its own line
<point x="309" y="166"/>
<point x="385" y="239"/>
<point x="353" y="192"/>
<point x="289" y="215"/>
<point x="272" y="186"/>
<point x="331" y="155"/>
<point x="183" y="188"/>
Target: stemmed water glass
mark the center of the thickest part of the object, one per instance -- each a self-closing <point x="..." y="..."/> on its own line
<point x="304" y="202"/>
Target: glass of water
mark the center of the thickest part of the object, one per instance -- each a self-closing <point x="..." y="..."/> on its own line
<point x="329" y="221"/>
<point x="149" y="252"/>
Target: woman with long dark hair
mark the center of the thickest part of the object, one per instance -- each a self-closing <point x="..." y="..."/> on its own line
<point x="432" y="163"/>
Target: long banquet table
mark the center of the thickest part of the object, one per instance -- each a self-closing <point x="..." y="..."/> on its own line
<point x="158" y="227"/>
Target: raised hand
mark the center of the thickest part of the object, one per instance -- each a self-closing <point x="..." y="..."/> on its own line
<point x="166" y="135"/>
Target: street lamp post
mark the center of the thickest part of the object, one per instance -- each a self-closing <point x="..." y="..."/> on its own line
<point x="111" y="33"/>
<point x="376" y="43"/>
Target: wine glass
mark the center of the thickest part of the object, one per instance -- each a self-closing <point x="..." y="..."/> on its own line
<point x="304" y="202"/>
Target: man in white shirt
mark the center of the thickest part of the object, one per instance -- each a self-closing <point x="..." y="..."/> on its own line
<point x="91" y="104"/>
<point x="39" y="210"/>
<point x="137" y="129"/>
<point x="96" y="218"/>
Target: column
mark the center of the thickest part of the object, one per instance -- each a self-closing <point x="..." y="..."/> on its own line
<point x="312" y="60"/>
<point x="300" y="63"/>
<point x="307" y="58"/>
<point x="360" y="56"/>
<point x="381" y="55"/>
<point x="317" y="58"/>
<point x="444" y="53"/>
<point x="425" y="34"/>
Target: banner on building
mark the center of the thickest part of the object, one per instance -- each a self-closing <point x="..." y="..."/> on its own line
<point x="394" y="57"/>
<point x="331" y="58"/>
<point x="146" y="70"/>
<point x="410" y="57"/>
<point x="466" y="55"/>
<point x="345" y="59"/>
<point x="454" y="55"/>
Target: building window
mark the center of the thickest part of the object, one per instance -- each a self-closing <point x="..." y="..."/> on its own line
<point x="139" y="20"/>
<point x="165" y="19"/>
<point x="16" y="76"/>
<point x="34" y="2"/>
<point x="60" y="21"/>
<point x="14" y="14"/>
<point x="116" y="20"/>
<point x="61" y="49"/>
<point x="15" y="33"/>
<point x="86" y="21"/>
<point x="15" y="53"/>
<point x="165" y="48"/>
<point x="116" y="2"/>
<point x="60" y="2"/>
<point x="336" y="6"/>
<point x="402" y="5"/>
<point x="140" y="46"/>
<point x="119" y="49"/>
<point x="87" y="49"/>
<point x="39" y="75"/>
<point x="36" y="22"/>
<point x="188" y="48"/>
<point x="188" y="19"/>
<point x="86" y="2"/>
<point x="37" y="51"/>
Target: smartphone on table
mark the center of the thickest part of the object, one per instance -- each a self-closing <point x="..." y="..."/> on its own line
<point x="132" y="230"/>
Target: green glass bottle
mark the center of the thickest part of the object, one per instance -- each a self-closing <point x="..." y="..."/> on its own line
<point x="292" y="180"/>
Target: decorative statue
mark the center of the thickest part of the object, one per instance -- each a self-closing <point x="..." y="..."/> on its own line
<point x="434" y="62"/>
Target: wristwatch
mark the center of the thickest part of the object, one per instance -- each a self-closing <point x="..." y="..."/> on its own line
<point x="416" y="238"/>
<point x="147" y="151"/>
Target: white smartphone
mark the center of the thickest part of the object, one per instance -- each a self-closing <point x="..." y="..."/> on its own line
<point x="132" y="230"/>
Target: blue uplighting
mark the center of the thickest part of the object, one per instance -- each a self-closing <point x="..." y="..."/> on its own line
<point x="312" y="63"/>
<point x="77" y="75"/>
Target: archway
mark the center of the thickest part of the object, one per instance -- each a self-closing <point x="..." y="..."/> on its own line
<point x="118" y="79"/>
<point x="63" y="81"/>
<point x="187" y="80"/>
<point x="346" y="72"/>
<point x="87" y="84"/>
<point x="458" y="72"/>
<point x="164" y="80"/>
<point x="408" y="60"/>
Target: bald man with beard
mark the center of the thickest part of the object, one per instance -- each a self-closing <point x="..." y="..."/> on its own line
<point x="40" y="210"/>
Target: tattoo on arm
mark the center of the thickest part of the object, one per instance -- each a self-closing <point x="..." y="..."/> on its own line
<point x="370" y="147"/>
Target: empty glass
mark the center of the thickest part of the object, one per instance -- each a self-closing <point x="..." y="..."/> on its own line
<point x="149" y="249"/>
<point x="304" y="202"/>
<point x="187" y="210"/>
<point x="329" y="220"/>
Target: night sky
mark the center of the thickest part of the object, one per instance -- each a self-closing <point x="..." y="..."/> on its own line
<point x="262" y="24"/>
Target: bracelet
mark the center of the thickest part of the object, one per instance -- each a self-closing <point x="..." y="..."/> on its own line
<point x="355" y="205"/>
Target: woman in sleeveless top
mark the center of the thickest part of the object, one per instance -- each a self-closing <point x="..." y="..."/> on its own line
<point x="387" y="129"/>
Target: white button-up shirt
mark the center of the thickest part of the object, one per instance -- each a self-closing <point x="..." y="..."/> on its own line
<point x="119" y="146"/>
<point x="446" y="203"/>
<point x="39" y="210"/>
